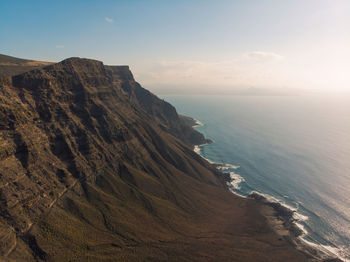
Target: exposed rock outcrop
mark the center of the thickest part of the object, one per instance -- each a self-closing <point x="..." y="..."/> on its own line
<point x="95" y="168"/>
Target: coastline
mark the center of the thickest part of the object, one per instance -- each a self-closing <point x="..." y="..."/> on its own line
<point x="280" y="217"/>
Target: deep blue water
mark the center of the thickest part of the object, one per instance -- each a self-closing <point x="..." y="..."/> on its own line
<point x="295" y="149"/>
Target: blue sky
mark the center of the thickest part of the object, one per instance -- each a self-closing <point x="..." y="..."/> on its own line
<point x="291" y="43"/>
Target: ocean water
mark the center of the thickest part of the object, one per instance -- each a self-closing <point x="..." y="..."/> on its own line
<point x="292" y="149"/>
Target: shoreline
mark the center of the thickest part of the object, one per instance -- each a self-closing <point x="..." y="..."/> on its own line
<point x="280" y="217"/>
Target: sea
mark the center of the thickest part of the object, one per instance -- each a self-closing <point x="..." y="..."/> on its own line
<point x="294" y="150"/>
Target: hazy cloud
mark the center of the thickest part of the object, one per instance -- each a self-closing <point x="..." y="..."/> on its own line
<point x="60" y="46"/>
<point x="109" y="20"/>
<point x="246" y="69"/>
<point x="260" y="56"/>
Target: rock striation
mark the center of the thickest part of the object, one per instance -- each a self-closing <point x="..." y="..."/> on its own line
<point x="93" y="167"/>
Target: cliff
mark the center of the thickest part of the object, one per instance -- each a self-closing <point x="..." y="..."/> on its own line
<point x="93" y="167"/>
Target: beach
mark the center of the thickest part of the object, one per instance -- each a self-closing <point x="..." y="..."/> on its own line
<point x="284" y="220"/>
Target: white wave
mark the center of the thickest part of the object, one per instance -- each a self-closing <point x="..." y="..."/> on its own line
<point x="236" y="179"/>
<point x="234" y="185"/>
<point x="197" y="149"/>
<point x="272" y="199"/>
<point x="296" y="215"/>
<point x="302" y="228"/>
<point x="329" y="250"/>
<point x="227" y="166"/>
<point x="198" y="123"/>
<point x="235" y="192"/>
<point x="300" y="217"/>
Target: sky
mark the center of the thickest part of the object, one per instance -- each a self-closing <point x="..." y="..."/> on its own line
<point x="191" y="44"/>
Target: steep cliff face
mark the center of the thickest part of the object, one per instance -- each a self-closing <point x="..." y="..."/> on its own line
<point x="74" y="122"/>
<point x="95" y="168"/>
<point x="160" y="110"/>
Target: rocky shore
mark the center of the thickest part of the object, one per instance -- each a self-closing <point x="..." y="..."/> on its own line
<point x="93" y="167"/>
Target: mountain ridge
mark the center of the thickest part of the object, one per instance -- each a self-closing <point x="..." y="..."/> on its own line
<point x="10" y="65"/>
<point x="93" y="167"/>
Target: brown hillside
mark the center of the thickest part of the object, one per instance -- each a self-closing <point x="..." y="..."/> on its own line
<point x="10" y="66"/>
<point x="95" y="168"/>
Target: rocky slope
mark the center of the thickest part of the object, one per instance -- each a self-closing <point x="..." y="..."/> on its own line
<point x="10" y="66"/>
<point x="95" y="168"/>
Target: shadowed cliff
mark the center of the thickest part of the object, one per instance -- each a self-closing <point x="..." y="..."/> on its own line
<point x="93" y="167"/>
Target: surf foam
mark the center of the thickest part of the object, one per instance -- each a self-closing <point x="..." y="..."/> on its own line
<point x="329" y="250"/>
<point x="198" y="123"/>
<point x="234" y="186"/>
